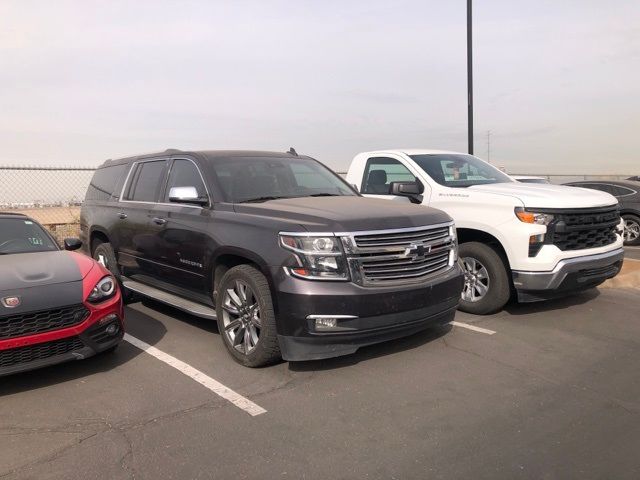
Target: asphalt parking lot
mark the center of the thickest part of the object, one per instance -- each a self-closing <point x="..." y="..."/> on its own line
<point x="537" y="391"/>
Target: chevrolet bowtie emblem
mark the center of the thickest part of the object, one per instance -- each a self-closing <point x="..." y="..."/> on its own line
<point x="417" y="251"/>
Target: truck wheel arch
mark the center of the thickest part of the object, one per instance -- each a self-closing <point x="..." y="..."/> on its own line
<point x="473" y="235"/>
<point x="96" y="237"/>
<point x="228" y="258"/>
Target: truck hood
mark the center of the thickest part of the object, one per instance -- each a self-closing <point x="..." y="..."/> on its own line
<point x="25" y="270"/>
<point x="549" y="196"/>
<point x="346" y="213"/>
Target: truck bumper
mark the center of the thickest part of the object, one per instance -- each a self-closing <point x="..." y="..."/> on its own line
<point x="364" y="315"/>
<point x="569" y="275"/>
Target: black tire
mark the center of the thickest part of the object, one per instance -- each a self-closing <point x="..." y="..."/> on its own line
<point x="266" y="350"/>
<point x="498" y="287"/>
<point x="105" y="250"/>
<point x="635" y="220"/>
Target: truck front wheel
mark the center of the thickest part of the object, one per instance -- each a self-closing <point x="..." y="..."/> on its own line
<point x="486" y="280"/>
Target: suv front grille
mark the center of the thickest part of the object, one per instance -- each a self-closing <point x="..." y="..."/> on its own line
<point x="400" y="256"/>
<point x="40" y="351"/>
<point x="582" y="229"/>
<point x="19" y="325"/>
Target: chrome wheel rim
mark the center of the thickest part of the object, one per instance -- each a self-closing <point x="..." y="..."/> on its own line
<point x="476" y="280"/>
<point x="241" y="317"/>
<point x="631" y="230"/>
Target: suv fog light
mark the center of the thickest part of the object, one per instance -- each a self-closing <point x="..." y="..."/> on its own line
<point x="325" y="323"/>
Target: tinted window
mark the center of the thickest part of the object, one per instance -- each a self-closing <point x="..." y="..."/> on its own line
<point x="246" y="179"/>
<point x="184" y="173"/>
<point x="20" y="235"/>
<point x="104" y="181"/>
<point x="381" y="171"/>
<point x="619" y="191"/>
<point x="458" y="170"/>
<point x="146" y="182"/>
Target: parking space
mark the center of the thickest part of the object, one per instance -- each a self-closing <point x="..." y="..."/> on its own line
<point x="552" y="393"/>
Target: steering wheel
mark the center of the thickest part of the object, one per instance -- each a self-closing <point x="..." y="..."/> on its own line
<point x="18" y="241"/>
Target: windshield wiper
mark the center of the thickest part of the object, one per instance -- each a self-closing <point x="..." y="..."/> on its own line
<point x="262" y="199"/>
<point x="325" y="195"/>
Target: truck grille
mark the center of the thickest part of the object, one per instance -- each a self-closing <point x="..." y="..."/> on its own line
<point x="22" y="324"/>
<point x="40" y="351"/>
<point x="400" y="256"/>
<point x="582" y="229"/>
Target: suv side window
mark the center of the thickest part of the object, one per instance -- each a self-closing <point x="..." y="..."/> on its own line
<point x="381" y="171"/>
<point x="619" y="191"/>
<point x="146" y="182"/>
<point x="184" y="173"/>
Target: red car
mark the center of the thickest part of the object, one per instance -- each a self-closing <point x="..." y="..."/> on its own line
<point x="55" y="305"/>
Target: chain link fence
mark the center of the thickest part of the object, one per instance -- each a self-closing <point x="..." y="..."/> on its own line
<point x="50" y="195"/>
<point x="53" y="195"/>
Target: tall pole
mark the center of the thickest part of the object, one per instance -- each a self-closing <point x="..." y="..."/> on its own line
<point x="469" y="79"/>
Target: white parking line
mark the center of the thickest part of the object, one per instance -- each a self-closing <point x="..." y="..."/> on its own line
<point x="473" y="327"/>
<point x="213" y="385"/>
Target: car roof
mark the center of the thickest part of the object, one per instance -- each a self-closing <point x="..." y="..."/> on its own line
<point x="207" y="154"/>
<point x="414" y="151"/>
<point x="623" y="183"/>
<point x="14" y="215"/>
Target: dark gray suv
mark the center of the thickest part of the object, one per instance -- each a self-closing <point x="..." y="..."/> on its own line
<point x="289" y="259"/>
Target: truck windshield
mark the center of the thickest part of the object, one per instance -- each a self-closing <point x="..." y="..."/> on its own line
<point x="259" y="179"/>
<point x="21" y="235"/>
<point x="458" y="170"/>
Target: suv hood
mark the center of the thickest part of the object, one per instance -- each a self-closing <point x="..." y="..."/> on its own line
<point x="346" y="213"/>
<point x="549" y="196"/>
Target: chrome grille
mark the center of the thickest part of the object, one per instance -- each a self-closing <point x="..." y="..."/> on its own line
<point x="399" y="256"/>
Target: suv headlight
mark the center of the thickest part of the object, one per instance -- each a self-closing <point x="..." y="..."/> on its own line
<point x="103" y="290"/>
<point x="531" y="216"/>
<point x="320" y="257"/>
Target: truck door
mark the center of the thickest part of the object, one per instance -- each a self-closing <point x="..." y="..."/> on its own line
<point x="380" y="172"/>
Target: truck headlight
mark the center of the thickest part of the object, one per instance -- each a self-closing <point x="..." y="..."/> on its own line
<point x="531" y="216"/>
<point x="320" y="257"/>
<point x="103" y="290"/>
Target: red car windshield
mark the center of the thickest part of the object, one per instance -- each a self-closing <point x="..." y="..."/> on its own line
<point x="21" y="235"/>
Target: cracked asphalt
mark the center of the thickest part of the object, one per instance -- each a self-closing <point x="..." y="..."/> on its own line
<point x="554" y="394"/>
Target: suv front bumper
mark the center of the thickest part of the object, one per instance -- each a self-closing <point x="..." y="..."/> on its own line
<point x="569" y="275"/>
<point x="366" y="315"/>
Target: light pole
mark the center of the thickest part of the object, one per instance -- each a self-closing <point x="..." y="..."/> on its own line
<point x="469" y="79"/>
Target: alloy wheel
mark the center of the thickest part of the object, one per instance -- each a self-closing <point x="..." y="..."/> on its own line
<point x="241" y="317"/>
<point x="476" y="280"/>
<point x="631" y="230"/>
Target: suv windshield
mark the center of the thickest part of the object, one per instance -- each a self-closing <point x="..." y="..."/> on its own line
<point x="21" y="235"/>
<point x="260" y="179"/>
<point x="458" y="170"/>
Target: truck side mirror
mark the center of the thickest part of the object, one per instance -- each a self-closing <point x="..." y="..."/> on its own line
<point x="411" y="190"/>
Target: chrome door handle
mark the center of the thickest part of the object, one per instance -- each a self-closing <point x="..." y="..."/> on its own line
<point x="159" y="221"/>
<point x="122" y="215"/>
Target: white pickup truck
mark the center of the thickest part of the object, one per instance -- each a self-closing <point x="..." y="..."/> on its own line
<point x="535" y="240"/>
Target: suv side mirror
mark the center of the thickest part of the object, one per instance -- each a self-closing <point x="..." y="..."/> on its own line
<point x="186" y="195"/>
<point x="411" y="190"/>
<point x="71" y="244"/>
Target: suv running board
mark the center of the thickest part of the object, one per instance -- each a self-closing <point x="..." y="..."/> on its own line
<point x="180" y="303"/>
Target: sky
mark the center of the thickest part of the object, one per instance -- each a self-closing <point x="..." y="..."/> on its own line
<point x="556" y="83"/>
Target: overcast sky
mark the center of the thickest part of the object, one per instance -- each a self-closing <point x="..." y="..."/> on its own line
<point x="557" y="82"/>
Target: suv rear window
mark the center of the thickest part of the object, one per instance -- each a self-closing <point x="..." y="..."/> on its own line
<point x="104" y="181"/>
<point x="146" y="181"/>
